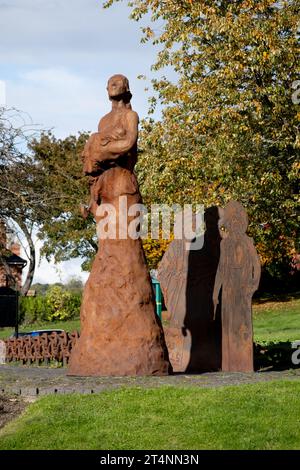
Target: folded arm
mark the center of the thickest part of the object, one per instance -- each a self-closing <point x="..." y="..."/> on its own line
<point x="116" y="148"/>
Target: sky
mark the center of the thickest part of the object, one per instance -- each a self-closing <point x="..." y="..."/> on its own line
<point x="55" y="59"/>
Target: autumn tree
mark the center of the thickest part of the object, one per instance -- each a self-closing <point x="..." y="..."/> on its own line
<point x="21" y="195"/>
<point x="41" y="187"/>
<point x="65" y="234"/>
<point x="230" y="120"/>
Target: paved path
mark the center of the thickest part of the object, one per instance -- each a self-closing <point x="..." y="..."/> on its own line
<point x="31" y="381"/>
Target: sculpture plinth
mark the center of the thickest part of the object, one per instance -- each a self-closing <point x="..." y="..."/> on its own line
<point x="120" y="332"/>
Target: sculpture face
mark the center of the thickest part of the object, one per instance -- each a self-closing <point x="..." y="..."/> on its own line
<point x="117" y="85"/>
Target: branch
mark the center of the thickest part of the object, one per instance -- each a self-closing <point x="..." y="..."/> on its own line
<point x="32" y="257"/>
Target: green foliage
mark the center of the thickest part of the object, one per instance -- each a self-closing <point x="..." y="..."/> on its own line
<point x="252" y="416"/>
<point x="229" y="128"/>
<point x="67" y="325"/>
<point x="57" y="304"/>
<point x="39" y="288"/>
<point x="154" y="251"/>
<point x="33" y="309"/>
<point x="61" y="305"/>
<point x="273" y="321"/>
<point x="74" y="284"/>
<point x="64" y="232"/>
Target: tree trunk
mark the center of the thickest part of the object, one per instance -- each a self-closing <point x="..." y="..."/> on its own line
<point x="32" y="258"/>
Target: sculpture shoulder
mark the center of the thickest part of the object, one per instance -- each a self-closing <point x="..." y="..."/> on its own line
<point x="132" y="116"/>
<point x="109" y="119"/>
<point x="104" y="120"/>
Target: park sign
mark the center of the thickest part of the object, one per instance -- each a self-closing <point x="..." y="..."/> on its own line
<point x="8" y="307"/>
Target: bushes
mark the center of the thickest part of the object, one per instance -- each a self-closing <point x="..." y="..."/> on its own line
<point x="61" y="304"/>
<point x="57" y="304"/>
<point x="32" y="309"/>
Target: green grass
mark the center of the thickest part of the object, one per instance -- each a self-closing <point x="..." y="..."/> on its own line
<point x="277" y="321"/>
<point x="256" y="416"/>
<point x="69" y="325"/>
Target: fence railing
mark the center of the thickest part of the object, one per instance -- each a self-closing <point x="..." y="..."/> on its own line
<point x="41" y="349"/>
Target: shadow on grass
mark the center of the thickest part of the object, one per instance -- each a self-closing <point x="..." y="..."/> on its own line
<point x="275" y="356"/>
<point x="282" y="297"/>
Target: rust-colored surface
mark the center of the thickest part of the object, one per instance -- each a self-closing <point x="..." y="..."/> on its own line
<point x="238" y="275"/>
<point x="43" y="348"/>
<point x="179" y="343"/>
<point x="187" y="280"/>
<point x="206" y="334"/>
<point x="120" y="332"/>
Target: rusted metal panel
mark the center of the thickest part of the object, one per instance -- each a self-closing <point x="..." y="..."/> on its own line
<point x="208" y="294"/>
<point x="30" y="349"/>
<point x="238" y="276"/>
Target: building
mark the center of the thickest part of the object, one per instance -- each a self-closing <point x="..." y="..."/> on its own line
<point x="11" y="254"/>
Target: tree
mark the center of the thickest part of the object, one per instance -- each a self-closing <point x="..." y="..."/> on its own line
<point x="21" y="202"/>
<point x="74" y="285"/>
<point x="64" y="232"/>
<point x="229" y="127"/>
<point x="41" y="186"/>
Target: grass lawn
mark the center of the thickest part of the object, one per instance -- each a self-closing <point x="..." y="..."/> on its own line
<point x="277" y="321"/>
<point x="273" y="321"/>
<point x="69" y="325"/>
<point x="256" y="416"/>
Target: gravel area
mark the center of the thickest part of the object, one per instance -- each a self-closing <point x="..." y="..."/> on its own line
<point x="30" y="381"/>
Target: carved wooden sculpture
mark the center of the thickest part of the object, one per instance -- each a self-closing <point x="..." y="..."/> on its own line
<point x="120" y="332"/>
<point x="238" y="274"/>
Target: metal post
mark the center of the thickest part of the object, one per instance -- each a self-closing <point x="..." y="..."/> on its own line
<point x="17" y="315"/>
<point x="158" y="299"/>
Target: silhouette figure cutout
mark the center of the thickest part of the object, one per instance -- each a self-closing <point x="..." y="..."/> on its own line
<point x="187" y="280"/>
<point x="238" y="276"/>
<point x="202" y="267"/>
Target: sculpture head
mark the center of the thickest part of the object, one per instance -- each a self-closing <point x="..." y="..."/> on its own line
<point x="235" y="218"/>
<point x="118" y="86"/>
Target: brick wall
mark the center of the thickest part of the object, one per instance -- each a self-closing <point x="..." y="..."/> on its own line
<point x="15" y="248"/>
<point x="16" y="272"/>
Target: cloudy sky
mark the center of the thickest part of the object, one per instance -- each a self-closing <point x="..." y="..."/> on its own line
<point x="56" y="57"/>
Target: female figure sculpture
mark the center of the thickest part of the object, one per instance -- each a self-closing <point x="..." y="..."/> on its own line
<point x="120" y="332"/>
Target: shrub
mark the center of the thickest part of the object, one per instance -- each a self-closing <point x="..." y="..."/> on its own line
<point x="62" y="305"/>
<point x="57" y="304"/>
<point x="33" y="309"/>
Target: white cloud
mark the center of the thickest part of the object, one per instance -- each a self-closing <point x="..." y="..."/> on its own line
<point x="59" y="27"/>
<point x="49" y="273"/>
<point x="57" y="98"/>
<point x="56" y="57"/>
<point x="66" y="101"/>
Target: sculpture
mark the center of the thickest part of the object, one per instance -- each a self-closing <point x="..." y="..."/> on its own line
<point x="187" y="278"/>
<point x="120" y="332"/>
<point x="238" y="274"/>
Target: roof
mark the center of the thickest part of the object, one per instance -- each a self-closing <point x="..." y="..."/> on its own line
<point x="15" y="260"/>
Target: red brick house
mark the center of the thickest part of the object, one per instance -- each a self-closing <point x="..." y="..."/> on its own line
<point x="12" y="257"/>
